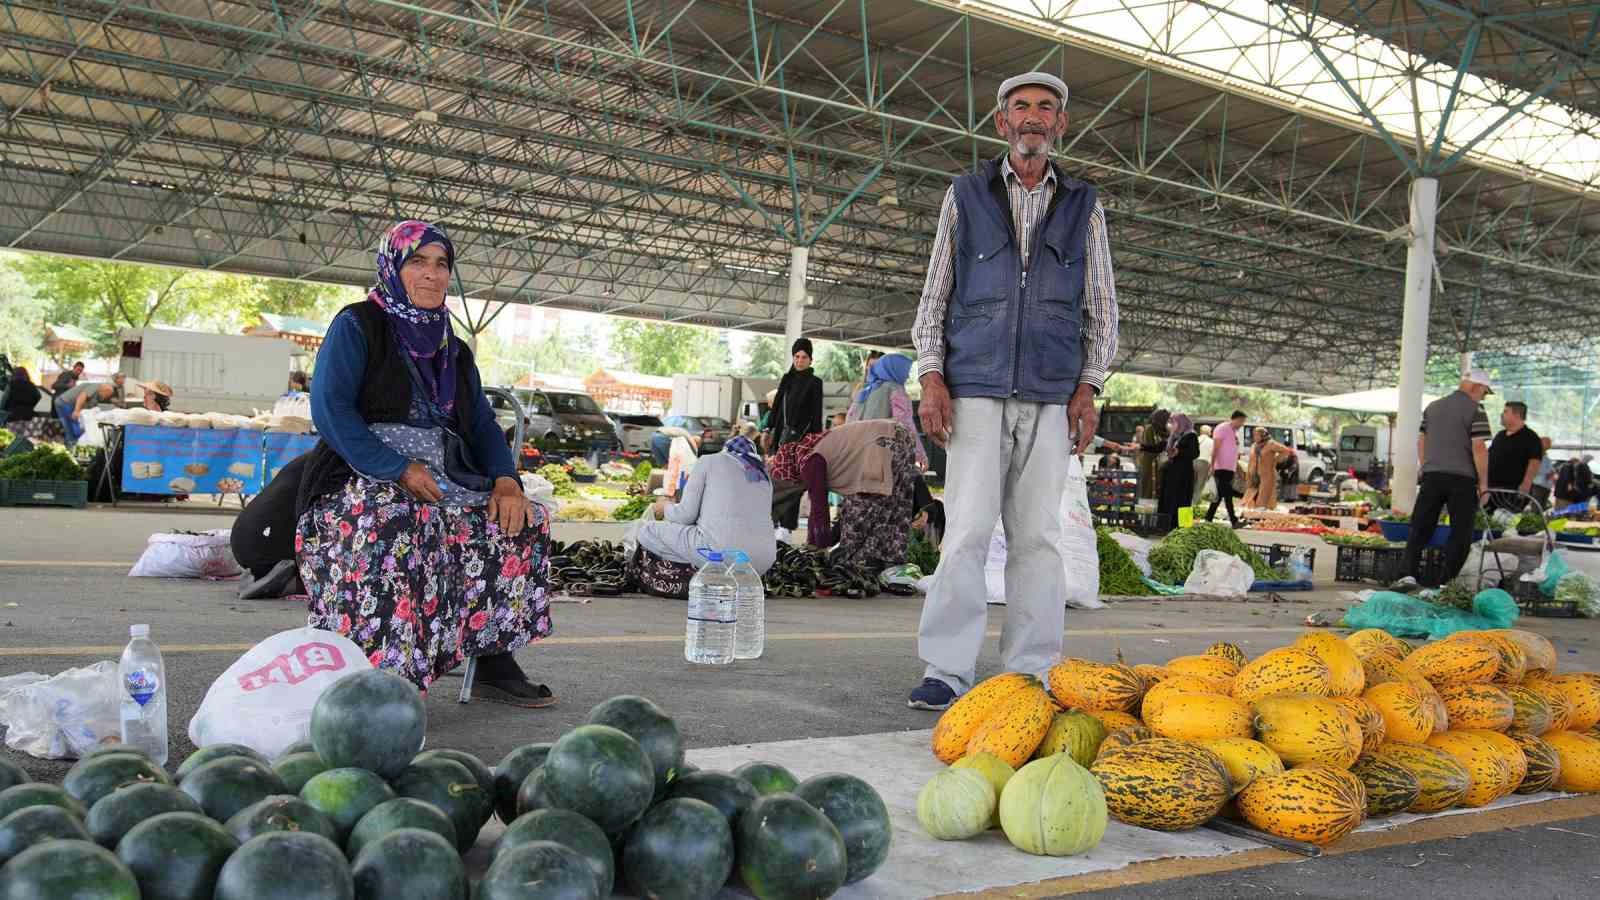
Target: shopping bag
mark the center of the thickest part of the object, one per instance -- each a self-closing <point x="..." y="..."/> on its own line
<point x="207" y="554"/>
<point x="66" y="715"/>
<point x="1219" y="574"/>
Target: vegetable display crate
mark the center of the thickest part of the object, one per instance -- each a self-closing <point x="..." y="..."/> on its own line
<point x="1278" y="554"/>
<point x="1400" y="532"/>
<point x="17" y="447"/>
<point x="1383" y="564"/>
<point x="1534" y="603"/>
<point x="20" y="492"/>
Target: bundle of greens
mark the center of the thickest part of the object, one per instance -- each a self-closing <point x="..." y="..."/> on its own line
<point x="582" y="467"/>
<point x="1172" y="559"/>
<point x="1456" y="594"/>
<point x="42" y="464"/>
<point x="6" y="437"/>
<point x="1119" y="577"/>
<point x="1356" y="540"/>
<point x="559" y="479"/>
<point x="922" y="554"/>
<point x="633" y="509"/>
<point x="1529" y="522"/>
<point x="641" y="473"/>
<point x="1576" y="587"/>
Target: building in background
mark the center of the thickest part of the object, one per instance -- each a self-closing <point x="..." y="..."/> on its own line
<point x="629" y="392"/>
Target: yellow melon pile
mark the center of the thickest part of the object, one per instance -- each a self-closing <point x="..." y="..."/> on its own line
<point x="1303" y="741"/>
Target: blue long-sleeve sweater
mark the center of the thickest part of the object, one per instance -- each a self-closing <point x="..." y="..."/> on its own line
<point x="335" y="409"/>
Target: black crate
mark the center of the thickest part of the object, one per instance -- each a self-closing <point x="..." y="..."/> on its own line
<point x="1278" y="554"/>
<point x="1383" y="565"/>
<point x="1534" y="603"/>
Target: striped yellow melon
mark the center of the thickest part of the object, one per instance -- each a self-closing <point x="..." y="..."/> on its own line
<point x="1486" y="707"/>
<point x="1124" y="737"/>
<point x="1555" y="698"/>
<point x="1229" y="652"/>
<point x="1087" y="684"/>
<point x="1113" y="719"/>
<point x="1016" y="728"/>
<point x="1368" y="641"/>
<point x="1391" y="788"/>
<point x="1197" y="717"/>
<point x="1245" y="759"/>
<point x="1512" y="751"/>
<point x="1178" y="684"/>
<point x="1583" y="695"/>
<point x="1530" y="713"/>
<point x="1580" y="761"/>
<point x="1283" y="671"/>
<point x="1540" y="652"/>
<point x="1073" y="733"/>
<point x="1491" y="771"/>
<point x="1456" y="661"/>
<point x="1304" y="729"/>
<point x="1215" y="668"/>
<point x="1443" y="780"/>
<point x="1544" y="763"/>
<point x="1513" y="659"/>
<point x="961" y="721"/>
<point x="1373" y="728"/>
<point x="1317" y="804"/>
<point x="1407" y="715"/>
<point x="1347" y="679"/>
<point x="1163" y="784"/>
<point x="1150" y="674"/>
<point x="1381" y="665"/>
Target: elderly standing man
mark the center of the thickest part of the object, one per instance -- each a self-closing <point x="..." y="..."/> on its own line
<point x="1015" y="335"/>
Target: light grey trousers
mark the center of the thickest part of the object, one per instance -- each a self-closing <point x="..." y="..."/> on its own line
<point x="1007" y="460"/>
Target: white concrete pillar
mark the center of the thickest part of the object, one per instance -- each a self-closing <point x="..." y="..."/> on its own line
<point x="1414" y="341"/>
<point x="795" y="319"/>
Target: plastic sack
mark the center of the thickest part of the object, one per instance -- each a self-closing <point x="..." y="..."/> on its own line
<point x="204" y="555"/>
<point x="264" y="699"/>
<point x="1576" y="587"/>
<point x="1300" y="564"/>
<point x="1407" y="616"/>
<point x="66" y="715"/>
<point x="1492" y="566"/>
<point x="1079" y="556"/>
<point x="1550" y="571"/>
<point x="904" y="575"/>
<point x="1138" y="549"/>
<point x="1219" y="574"/>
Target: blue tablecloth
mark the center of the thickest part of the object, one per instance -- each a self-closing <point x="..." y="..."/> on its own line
<point x="162" y="460"/>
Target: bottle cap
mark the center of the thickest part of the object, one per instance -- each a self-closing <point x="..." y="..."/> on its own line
<point x="138" y="631"/>
<point x="710" y="555"/>
<point x="739" y="556"/>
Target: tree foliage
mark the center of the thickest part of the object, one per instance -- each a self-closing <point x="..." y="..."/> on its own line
<point x="840" y="362"/>
<point x="765" y="357"/>
<point x="657" y="348"/>
<point x="22" y="315"/>
<point x="557" y="352"/>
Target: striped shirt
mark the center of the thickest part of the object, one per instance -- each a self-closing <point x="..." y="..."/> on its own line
<point x="1027" y="210"/>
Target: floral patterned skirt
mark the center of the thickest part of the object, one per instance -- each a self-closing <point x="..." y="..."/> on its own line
<point x="421" y="586"/>
<point x="659" y="577"/>
<point x="874" y="527"/>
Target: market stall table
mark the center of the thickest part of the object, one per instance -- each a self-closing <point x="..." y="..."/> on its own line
<point x="166" y="460"/>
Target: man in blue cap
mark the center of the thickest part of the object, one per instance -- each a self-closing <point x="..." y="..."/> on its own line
<point x="1015" y="336"/>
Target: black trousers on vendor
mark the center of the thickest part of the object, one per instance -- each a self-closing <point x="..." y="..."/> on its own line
<point x="1436" y="492"/>
<point x="263" y="536"/>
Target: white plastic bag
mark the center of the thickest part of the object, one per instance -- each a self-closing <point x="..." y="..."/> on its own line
<point x="1219" y="574"/>
<point x="1138" y="549"/>
<point x="1079" y="557"/>
<point x="1300" y="564"/>
<point x="264" y="700"/>
<point x="204" y="555"/>
<point x="64" y="716"/>
<point x="1494" y="567"/>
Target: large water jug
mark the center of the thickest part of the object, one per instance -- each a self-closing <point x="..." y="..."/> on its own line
<point x="750" y="606"/>
<point x="708" y="635"/>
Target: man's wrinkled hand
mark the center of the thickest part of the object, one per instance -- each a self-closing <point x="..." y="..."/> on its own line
<point x="1082" y="417"/>
<point x="935" y="409"/>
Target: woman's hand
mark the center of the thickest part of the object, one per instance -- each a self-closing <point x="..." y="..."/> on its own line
<point x="508" y="506"/>
<point x="418" y="481"/>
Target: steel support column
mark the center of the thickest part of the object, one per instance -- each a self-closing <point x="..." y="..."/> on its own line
<point x="1414" y="340"/>
<point x="793" y="322"/>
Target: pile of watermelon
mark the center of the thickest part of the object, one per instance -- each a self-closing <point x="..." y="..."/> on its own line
<point x="358" y="812"/>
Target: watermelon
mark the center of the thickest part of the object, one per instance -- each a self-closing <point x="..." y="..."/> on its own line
<point x="224" y="786"/>
<point x="298" y="768"/>
<point x="345" y="795"/>
<point x="450" y="787"/>
<point x="34" y="824"/>
<point x="38" y="794"/>
<point x="768" y="778"/>
<point x="281" y="812"/>
<point x="412" y="863"/>
<point x="681" y="848"/>
<point x="304" y="746"/>
<point x="372" y="720"/>
<point x="646" y="723"/>
<point x="126" y="807"/>
<point x="731" y="796"/>
<point x="176" y="855"/>
<point x="286" y="865"/>
<point x="67" y="869"/>
<point x="601" y="773"/>
<point x="115" y="745"/>
<point x="214" y="752"/>
<point x="860" y="815"/>
<point x="563" y="826"/>
<point x="538" y="870"/>
<point x="11" y="774"/>
<point x="513" y="769"/>
<point x="533" y="795"/>
<point x="393" y="815"/>
<point x="789" y="849"/>
<point x="93" y="778"/>
<point x="480" y="773"/>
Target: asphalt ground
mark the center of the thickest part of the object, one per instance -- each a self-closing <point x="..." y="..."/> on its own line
<point x="832" y="667"/>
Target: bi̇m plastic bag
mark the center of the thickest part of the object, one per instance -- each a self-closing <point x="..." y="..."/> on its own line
<point x="1219" y="574"/>
<point x="1406" y="616"/>
<point x="179" y="555"/>
<point x="264" y="700"/>
<point x="1079" y="556"/>
<point x="66" y="715"/>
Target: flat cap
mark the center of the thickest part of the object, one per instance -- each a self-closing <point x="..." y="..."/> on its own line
<point x="1041" y="79"/>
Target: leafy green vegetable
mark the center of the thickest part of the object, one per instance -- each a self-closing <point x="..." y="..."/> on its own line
<point x="6" y="437"/>
<point x="1172" y="559"/>
<point x="922" y="554"/>
<point x="1119" y="576"/>
<point x="42" y="464"/>
<point x="1357" y="540"/>
<point x="1456" y="594"/>
<point x="633" y="509"/>
<point x="558" y="477"/>
<point x="1576" y="587"/>
<point x="641" y="473"/>
<point x="1529" y="522"/>
<point x="582" y="467"/>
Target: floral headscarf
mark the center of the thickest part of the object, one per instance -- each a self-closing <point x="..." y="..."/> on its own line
<point x="745" y="452"/>
<point x="424" y="333"/>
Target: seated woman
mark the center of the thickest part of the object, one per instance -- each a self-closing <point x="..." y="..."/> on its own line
<point x="414" y="537"/>
<point x="22" y="395"/>
<point x="724" y="507"/>
<point x="873" y="466"/>
<point x="884" y="396"/>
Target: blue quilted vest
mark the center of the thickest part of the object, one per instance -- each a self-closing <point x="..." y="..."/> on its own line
<point x="1010" y="334"/>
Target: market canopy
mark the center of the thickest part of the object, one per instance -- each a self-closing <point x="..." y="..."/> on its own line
<point x="1379" y="401"/>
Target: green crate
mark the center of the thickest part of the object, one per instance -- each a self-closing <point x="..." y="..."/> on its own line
<point x="22" y="492"/>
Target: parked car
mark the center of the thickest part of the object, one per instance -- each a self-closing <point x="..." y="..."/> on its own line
<point x="581" y="426"/>
<point x="537" y="422"/>
<point x="714" y="431"/>
<point x="1313" y="460"/>
<point x="635" y="430"/>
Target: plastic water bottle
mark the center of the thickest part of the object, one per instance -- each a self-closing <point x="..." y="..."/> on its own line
<point x="144" y="695"/>
<point x="750" y="602"/>
<point x="708" y="637"/>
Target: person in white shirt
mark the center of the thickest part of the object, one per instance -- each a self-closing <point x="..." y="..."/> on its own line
<point x="1202" y="463"/>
